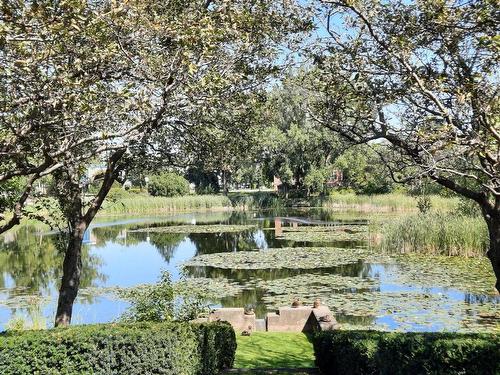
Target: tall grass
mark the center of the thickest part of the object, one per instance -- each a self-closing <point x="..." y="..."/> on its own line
<point x="257" y="200"/>
<point x="142" y="204"/>
<point x="436" y="233"/>
<point x="384" y="202"/>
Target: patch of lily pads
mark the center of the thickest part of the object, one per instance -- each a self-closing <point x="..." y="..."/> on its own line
<point x="309" y="286"/>
<point x="472" y="275"/>
<point x="276" y="258"/>
<point x="24" y="301"/>
<point x="350" y="228"/>
<point x="197" y="229"/>
<point x="407" y="310"/>
<point x="326" y="236"/>
<point x="211" y="288"/>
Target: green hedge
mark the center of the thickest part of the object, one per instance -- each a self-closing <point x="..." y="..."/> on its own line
<point x="142" y="348"/>
<point x="372" y="352"/>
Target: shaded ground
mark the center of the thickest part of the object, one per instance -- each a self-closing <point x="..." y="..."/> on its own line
<point x="274" y="350"/>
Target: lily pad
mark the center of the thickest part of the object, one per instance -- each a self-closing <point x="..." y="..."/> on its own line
<point x="288" y="257"/>
<point x="327" y="236"/>
<point x="197" y="229"/>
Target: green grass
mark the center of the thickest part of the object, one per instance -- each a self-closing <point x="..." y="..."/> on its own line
<point x="384" y="202"/>
<point x="144" y="204"/>
<point x="274" y="350"/>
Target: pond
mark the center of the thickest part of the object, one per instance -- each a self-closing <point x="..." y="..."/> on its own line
<point x="252" y="259"/>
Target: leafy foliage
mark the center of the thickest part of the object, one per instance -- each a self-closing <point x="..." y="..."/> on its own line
<point x="292" y="146"/>
<point x="363" y="171"/>
<point x="420" y="79"/>
<point x="370" y="352"/>
<point x="141" y="348"/>
<point x="151" y="304"/>
<point x="168" y="184"/>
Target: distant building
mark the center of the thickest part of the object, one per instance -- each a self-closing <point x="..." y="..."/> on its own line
<point x="335" y="179"/>
<point x="277" y="183"/>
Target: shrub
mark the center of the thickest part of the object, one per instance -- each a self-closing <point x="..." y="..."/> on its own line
<point x="141" y="348"/>
<point x="372" y="352"/>
<point x="151" y="303"/>
<point x="168" y="185"/>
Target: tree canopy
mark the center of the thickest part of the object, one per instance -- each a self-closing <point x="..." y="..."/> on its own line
<point x="421" y="78"/>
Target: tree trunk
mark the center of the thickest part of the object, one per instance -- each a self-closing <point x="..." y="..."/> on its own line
<point x="72" y="269"/>
<point x="493" y="221"/>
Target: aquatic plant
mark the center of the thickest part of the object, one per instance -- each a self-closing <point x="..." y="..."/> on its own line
<point x="326" y="236"/>
<point x="197" y="229"/>
<point x="436" y="233"/>
<point x="289" y="257"/>
<point x="384" y="202"/>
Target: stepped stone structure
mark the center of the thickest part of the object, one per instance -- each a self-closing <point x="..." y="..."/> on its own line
<point x="285" y="319"/>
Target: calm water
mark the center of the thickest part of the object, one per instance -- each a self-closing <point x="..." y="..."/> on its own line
<point x="30" y="263"/>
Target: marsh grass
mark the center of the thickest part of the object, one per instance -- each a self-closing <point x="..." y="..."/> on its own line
<point x="257" y="200"/>
<point x="141" y="204"/>
<point x="385" y="202"/>
<point x="436" y="233"/>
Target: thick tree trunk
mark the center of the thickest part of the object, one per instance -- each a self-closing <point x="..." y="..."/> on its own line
<point x="72" y="269"/>
<point x="493" y="221"/>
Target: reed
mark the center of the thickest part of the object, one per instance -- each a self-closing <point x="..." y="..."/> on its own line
<point x="436" y="233"/>
<point x="257" y="200"/>
<point x="142" y="204"/>
<point x="384" y="202"/>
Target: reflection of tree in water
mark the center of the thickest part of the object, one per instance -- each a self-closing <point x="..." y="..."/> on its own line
<point x="359" y="269"/>
<point x="208" y="243"/>
<point x="117" y="234"/>
<point x="166" y="243"/>
<point x="35" y="261"/>
<point x="252" y="295"/>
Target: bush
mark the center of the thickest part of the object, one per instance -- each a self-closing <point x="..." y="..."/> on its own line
<point x="168" y="185"/>
<point x="142" y="348"/>
<point x="372" y="352"/>
<point x="151" y="303"/>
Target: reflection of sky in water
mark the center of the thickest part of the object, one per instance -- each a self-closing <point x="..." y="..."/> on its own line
<point x="127" y="259"/>
<point x="140" y="263"/>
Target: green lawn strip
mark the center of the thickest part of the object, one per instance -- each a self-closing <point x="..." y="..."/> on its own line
<point x="274" y="350"/>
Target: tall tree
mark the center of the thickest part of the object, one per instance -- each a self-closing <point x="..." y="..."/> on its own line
<point x="423" y="78"/>
<point x="98" y="80"/>
<point x="291" y="145"/>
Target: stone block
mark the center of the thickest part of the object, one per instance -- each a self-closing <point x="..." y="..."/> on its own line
<point x="234" y="316"/>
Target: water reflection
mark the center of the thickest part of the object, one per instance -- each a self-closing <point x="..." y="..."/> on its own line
<point x="30" y="262"/>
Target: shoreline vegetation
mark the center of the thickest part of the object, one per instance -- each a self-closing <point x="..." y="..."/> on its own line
<point x="137" y="203"/>
<point x="440" y="231"/>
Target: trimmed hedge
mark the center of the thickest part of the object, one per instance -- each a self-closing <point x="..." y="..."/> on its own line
<point x="142" y="348"/>
<point x="372" y="352"/>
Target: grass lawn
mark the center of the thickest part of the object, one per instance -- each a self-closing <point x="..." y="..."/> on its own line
<point x="273" y="350"/>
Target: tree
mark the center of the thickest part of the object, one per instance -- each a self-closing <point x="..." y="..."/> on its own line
<point x="422" y="79"/>
<point x="290" y="144"/>
<point x="112" y="82"/>
<point x="363" y="171"/>
<point x="168" y="184"/>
